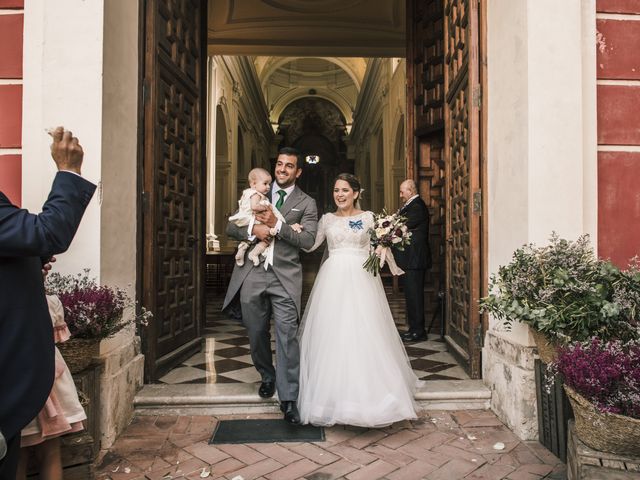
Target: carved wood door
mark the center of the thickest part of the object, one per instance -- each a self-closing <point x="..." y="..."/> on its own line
<point x="463" y="177"/>
<point x="425" y="128"/>
<point x="173" y="171"/>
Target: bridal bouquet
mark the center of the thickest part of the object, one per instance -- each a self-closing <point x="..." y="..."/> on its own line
<point x="387" y="231"/>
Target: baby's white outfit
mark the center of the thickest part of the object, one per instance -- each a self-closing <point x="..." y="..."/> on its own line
<point x="245" y="214"/>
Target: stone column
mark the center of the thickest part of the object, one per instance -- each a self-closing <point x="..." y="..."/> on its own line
<point x="211" y="155"/>
<point x="541" y="177"/>
<point x="63" y="53"/>
<point x="81" y="71"/>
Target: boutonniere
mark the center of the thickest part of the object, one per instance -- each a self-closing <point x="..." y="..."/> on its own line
<point x="355" y="225"/>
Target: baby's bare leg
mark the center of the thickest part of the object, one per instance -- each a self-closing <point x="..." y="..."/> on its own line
<point x="242" y="248"/>
<point x="254" y="255"/>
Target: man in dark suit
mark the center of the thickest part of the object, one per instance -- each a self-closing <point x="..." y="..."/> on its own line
<point x="414" y="260"/>
<point x="27" y="241"/>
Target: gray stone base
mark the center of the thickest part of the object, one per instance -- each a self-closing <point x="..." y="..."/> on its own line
<point x="242" y="398"/>
<point x="508" y="371"/>
<point x="584" y="463"/>
<point x="121" y="378"/>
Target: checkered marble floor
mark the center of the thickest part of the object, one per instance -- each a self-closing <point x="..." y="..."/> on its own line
<point x="225" y="356"/>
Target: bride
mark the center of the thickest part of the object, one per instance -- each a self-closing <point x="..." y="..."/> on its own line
<point x="353" y="367"/>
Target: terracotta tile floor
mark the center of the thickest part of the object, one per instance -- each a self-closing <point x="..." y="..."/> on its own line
<point x="438" y="446"/>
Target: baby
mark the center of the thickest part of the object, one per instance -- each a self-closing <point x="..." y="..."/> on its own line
<point x="254" y="200"/>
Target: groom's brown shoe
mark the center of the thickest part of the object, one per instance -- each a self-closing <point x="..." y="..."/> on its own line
<point x="267" y="389"/>
<point x="290" y="410"/>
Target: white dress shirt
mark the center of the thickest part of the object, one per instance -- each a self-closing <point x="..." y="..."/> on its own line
<point x="410" y="200"/>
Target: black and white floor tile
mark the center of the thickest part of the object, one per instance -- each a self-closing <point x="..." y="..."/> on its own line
<point x="225" y="356"/>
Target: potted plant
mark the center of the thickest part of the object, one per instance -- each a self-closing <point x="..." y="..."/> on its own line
<point x="565" y="293"/>
<point x="602" y="380"/>
<point x="93" y="313"/>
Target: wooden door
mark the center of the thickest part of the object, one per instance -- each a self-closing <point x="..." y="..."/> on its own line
<point x="173" y="166"/>
<point x="425" y="120"/>
<point x="463" y="179"/>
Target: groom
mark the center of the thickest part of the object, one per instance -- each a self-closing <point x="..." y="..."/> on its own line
<point x="277" y="290"/>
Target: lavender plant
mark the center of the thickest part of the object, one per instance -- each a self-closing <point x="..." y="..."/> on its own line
<point x="563" y="290"/>
<point x="94" y="311"/>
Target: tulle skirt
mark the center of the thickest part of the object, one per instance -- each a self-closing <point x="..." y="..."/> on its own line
<point x="353" y="367"/>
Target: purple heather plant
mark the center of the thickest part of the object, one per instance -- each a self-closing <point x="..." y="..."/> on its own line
<point x="605" y="373"/>
<point x="94" y="311"/>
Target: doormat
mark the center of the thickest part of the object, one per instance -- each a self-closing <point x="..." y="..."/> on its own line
<point x="264" y="431"/>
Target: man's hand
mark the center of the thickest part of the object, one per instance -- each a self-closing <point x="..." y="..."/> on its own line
<point x="261" y="231"/>
<point x="66" y="151"/>
<point x="267" y="217"/>
<point x="47" y="267"/>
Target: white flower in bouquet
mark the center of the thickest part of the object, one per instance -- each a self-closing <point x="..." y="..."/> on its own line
<point x="381" y="232"/>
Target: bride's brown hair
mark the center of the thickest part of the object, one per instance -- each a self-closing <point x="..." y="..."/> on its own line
<point x="354" y="183"/>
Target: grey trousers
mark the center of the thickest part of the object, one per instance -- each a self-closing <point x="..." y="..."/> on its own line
<point x="261" y="295"/>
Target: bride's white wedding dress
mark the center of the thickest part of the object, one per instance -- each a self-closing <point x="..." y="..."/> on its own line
<point x="353" y="367"/>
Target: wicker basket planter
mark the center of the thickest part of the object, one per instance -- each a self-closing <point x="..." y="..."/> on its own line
<point x="78" y="353"/>
<point x="547" y="347"/>
<point x="605" y="432"/>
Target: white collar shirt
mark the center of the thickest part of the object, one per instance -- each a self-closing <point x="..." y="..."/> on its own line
<point x="276" y="189"/>
<point x="410" y="200"/>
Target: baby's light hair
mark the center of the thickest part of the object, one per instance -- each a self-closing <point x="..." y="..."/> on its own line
<point x="257" y="172"/>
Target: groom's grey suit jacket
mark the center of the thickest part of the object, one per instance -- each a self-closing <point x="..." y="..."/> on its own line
<point x="299" y="208"/>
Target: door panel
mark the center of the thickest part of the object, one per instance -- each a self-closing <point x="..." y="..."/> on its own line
<point x="425" y="120"/>
<point x="462" y="172"/>
<point x="173" y="196"/>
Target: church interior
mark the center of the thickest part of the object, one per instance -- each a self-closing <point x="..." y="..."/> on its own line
<point x="343" y="114"/>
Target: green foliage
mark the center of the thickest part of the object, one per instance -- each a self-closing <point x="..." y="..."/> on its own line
<point x="566" y="292"/>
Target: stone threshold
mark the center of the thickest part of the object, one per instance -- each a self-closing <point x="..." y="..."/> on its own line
<point x="242" y="398"/>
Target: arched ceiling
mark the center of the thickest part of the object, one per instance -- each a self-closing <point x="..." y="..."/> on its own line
<point x="287" y="79"/>
<point x="311" y="117"/>
<point x="354" y="67"/>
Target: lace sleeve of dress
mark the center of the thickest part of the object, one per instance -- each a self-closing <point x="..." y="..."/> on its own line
<point x="320" y="234"/>
<point x="370" y="218"/>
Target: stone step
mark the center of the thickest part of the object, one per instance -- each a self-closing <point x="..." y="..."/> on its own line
<point x="242" y="398"/>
